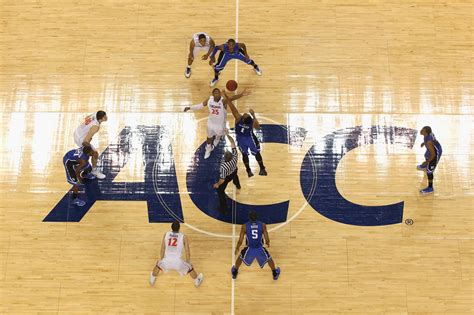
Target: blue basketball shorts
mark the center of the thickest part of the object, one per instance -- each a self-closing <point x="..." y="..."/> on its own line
<point x="248" y="255"/>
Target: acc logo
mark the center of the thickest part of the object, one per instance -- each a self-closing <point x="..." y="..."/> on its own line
<point x="161" y="192"/>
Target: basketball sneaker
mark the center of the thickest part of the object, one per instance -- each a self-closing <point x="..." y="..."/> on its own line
<point x="420" y="167"/>
<point x="263" y="172"/>
<point x="217" y="139"/>
<point x="257" y="70"/>
<point x="187" y="72"/>
<point x="198" y="280"/>
<point x="213" y="82"/>
<point x="249" y="173"/>
<point x="234" y="272"/>
<point x="152" y="279"/>
<point x="78" y="202"/>
<point x="276" y="273"/>
<point x="97" y="174"/>
<point x="427" y="190"/>
<point x="209" y="148"/>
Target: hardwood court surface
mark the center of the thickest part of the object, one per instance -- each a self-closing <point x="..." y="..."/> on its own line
<point x="327" y="66"/>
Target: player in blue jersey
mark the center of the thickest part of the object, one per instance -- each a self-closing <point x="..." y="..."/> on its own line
<point x="254" y="232"/>
<point x="76" y="164"/>
<point x="230" y="50"/>
<point x="246" y="139"/>
<point x="432" y="156"/>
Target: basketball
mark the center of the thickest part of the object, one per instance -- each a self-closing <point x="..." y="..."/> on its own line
<point x="231" y="85"/>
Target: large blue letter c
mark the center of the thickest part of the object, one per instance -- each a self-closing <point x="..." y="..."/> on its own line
<point x="318" y="175"/>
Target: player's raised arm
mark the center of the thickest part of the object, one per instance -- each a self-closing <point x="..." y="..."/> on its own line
<point x="256" y="123"/>
<point x="265" y="234"/>
<point x="186" y="246"/>
<point x="241" y="239"/>
<point x="234" y="110"/>
<point x="88" y="138"/>
<point x="245" y="92"/>
<point x="196" y="107"/>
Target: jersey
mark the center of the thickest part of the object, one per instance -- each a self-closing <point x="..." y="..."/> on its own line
<point x="71" y="162"/>
<point x="242" y="129"/>
<point x="254" y="234"/>
<point x="217" y="112"/>
<point x="436" y="144"/>
<point x="75" y="155"/>
<point x="174" y="244"/>
<point x="227" y="51"/>
<point x="198" y="44"/>
<point x="83" y="129"/>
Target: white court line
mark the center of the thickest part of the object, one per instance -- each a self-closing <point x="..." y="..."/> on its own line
<point x="236" y="77"/>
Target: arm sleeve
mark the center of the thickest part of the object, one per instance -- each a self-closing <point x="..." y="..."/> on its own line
<point x="197" y="107"/>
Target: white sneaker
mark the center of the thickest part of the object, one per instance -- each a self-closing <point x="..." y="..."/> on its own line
<point x="187" y="72"/>
<point x="152" y="279"/>
<point x="209" y="148"/>
<point x="257" y="70"/>
<point x="97" y="174"/>
<point x="213" y="82"/>
<point x="217" y="139"/>
<point x="198" y="280"/>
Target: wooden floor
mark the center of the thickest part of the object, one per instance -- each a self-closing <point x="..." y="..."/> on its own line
<point x="328" y="67"/>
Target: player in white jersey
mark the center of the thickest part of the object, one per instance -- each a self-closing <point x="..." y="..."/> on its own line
<point x="171" y="250"/>
<point x="83" y="137"/>
<point x="216" y="122"/>
<point x="199" y="42"/>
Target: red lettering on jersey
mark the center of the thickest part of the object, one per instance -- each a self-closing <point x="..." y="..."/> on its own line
<point x="172" y="241"/>
<point x="87" y="120"/>
<point x="215" y="111"/>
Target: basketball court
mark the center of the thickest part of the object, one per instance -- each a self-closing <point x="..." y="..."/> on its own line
<point x="345" y="90"/>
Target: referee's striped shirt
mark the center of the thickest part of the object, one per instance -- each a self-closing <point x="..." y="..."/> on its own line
<point x="229" y="167"/>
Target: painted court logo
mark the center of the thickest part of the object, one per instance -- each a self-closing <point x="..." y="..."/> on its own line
<point x="161" y="192"/>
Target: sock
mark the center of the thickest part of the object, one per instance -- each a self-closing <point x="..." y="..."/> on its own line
<point x="259" y="159"/>
<point x="245" y="158"/>
<point x="274" y="272"/>
<point x="189" y="67"/>
<point x="208" y="146"/>
<point x="430" y="180"/>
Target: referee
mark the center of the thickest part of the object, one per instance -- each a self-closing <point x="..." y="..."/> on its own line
<point x="228" y="172"/>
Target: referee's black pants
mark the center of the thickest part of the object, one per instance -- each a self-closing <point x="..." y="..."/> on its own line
<point x="221" y="190"/>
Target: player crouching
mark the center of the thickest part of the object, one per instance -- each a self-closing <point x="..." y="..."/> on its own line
<point x="171" y="251"/>
<point x="254" y="231"/>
